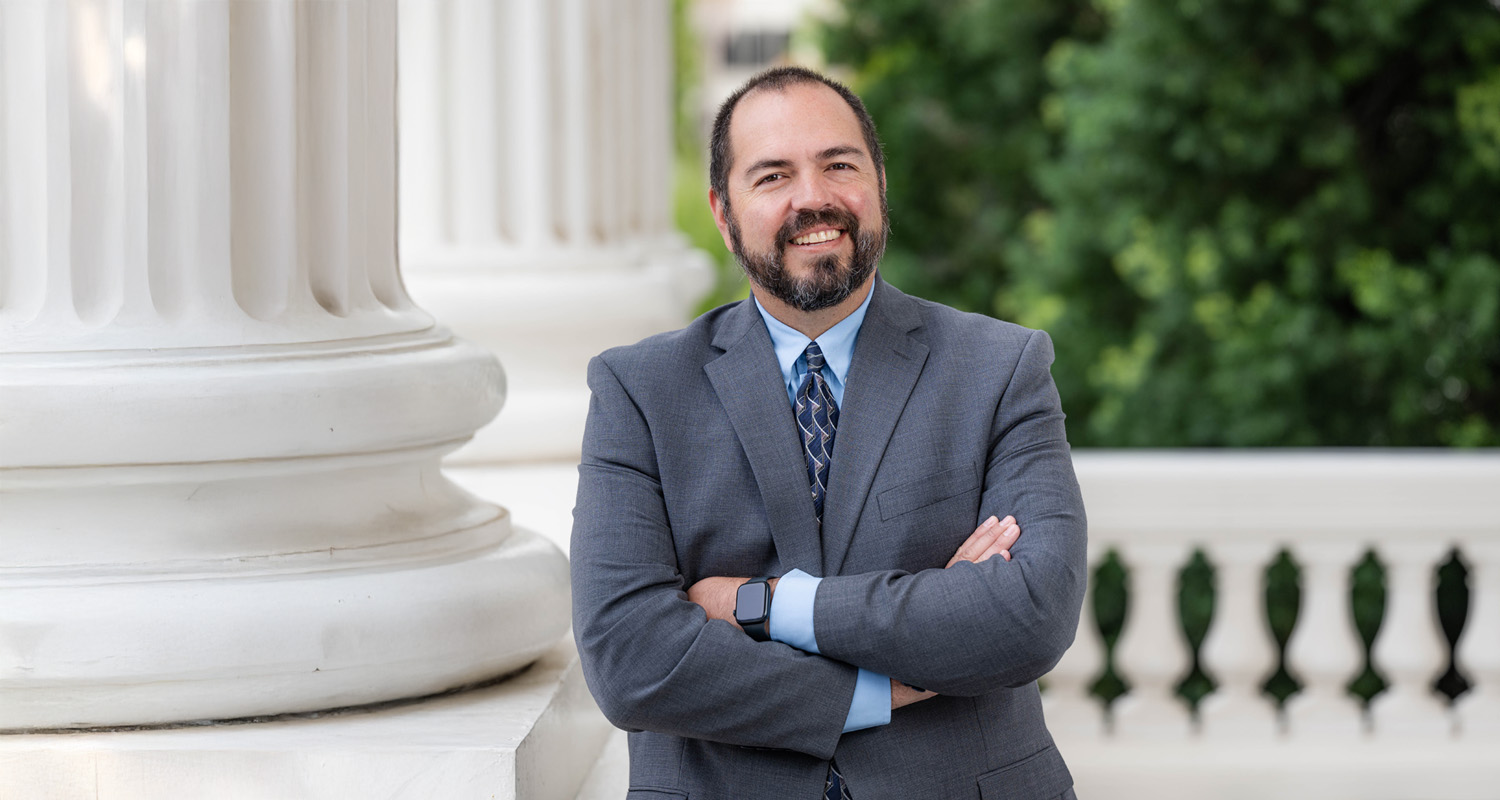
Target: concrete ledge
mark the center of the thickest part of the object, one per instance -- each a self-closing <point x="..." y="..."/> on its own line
<point x="535" y="736"/>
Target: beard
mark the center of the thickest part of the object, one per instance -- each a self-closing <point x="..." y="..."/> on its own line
<point x="831" y="280"/>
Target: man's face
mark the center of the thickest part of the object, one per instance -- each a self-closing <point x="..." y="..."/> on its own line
<point x="805" y="208"/>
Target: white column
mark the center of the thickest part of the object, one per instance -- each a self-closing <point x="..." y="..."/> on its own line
<point x="223" y="417"/>
<point x="1238" y="651"/>
<point x="1324" y="652"/>
<point x="1479" y="649"/>
<point x="536" y="207"/>
<point x="1409" y="648"/>
<point x="1152" y="653"/>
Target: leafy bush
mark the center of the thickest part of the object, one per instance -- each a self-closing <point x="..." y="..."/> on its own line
<point x="1245" y="224"/>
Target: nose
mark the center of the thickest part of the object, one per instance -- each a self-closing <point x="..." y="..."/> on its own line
<point x="813" y="192"/>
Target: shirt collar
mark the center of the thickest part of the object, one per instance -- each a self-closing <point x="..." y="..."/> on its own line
<point x="837" y="343"/>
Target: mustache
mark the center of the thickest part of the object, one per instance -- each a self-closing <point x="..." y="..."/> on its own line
<point x="834" y="217"/>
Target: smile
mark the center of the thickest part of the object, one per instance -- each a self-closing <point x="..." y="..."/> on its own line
<point x="818" y="237"/>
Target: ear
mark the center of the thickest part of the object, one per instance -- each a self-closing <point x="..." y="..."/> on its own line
<point x="721" y="219"/>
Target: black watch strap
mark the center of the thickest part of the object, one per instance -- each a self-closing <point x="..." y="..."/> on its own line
<point x="759" y="631"/>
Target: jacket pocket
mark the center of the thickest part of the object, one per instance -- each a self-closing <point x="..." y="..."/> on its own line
<point x="655" y="794"/>
<point x="1035" y="777"/>
<point x="926" y="491"/>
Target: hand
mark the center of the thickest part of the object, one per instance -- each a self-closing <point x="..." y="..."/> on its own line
<point x="992" y="537"/>
<point x="716" y="595"/>
<point x="903" y="695"/>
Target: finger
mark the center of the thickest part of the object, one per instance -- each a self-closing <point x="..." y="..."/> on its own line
<point x="977" y="542"/>
<point x="1001" y="545"/>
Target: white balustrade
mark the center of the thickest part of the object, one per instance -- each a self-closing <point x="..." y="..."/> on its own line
<point x="1325" y="651"/>
<point x="1409" y="648"/>
<point x="1238" y="651"/>
<point x="1327" y="509"/>
<point x="1152" y="653"/>
<point x="1067" y="703"/>
<point x="1479" y="645"/>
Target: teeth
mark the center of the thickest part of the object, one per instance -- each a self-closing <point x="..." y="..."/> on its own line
<point x="821" y="236"/>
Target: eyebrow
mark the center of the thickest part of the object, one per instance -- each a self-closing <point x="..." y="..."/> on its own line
<point x="781" y="163"/>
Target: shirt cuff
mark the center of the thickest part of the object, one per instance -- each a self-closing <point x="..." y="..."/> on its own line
<point x="871" y="706"/>
<point x="792" y="612"/>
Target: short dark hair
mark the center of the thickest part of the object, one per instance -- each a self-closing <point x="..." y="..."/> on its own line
<point x="780" y="79"/>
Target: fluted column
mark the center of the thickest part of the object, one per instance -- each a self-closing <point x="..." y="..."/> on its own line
<point x="1152" y="654"/>
<point x="536" y="209"/>
<point x="1324" y="652"/>
<point x="222" y="415"/>
<point x="1238" y="650"/>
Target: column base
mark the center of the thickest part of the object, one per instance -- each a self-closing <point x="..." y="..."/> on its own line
<point x="533" y="736"/>
<point x="179" y="649"/>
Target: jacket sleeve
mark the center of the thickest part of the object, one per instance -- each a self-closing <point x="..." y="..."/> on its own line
<point x="650" y="656"/>
<point x="977" y="627"/>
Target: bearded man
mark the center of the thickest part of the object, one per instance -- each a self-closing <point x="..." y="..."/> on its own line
<point x="778" y="585"/>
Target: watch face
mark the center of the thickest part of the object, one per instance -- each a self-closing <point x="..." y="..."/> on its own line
<point x="750" y="602"/>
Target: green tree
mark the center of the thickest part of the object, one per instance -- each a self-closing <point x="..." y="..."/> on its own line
<point x="1245" y="224"/>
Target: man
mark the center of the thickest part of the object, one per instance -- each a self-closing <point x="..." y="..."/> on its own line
<point x="840" y="440"/>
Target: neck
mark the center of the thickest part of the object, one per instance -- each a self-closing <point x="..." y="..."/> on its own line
<point x="812" y="324"/>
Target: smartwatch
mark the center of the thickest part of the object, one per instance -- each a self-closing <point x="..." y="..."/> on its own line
<point x="752" y="608"/>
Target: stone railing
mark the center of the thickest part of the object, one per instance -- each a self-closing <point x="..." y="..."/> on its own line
<point x="1326" y="511"/>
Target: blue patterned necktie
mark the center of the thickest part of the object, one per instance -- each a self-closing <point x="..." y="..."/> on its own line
<point x="818" y="420"/>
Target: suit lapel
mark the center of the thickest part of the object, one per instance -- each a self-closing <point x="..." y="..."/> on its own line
<point x="748" y="382"/>
<point x="887" y="361"/>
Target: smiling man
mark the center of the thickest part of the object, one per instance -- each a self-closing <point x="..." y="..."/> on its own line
<point x="779" y="587"/>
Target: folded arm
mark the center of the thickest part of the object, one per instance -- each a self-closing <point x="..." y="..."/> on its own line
<point x="981" y="625"/>
<point x="651" y="658"/>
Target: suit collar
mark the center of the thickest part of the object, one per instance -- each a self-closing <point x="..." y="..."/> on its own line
<point x="748" y="381"/>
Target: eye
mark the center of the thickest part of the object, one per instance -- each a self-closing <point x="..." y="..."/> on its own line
<point x="771" y="178"/>
<point x="841" y="166"/>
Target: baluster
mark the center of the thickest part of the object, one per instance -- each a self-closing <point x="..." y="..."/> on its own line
<point x="1325" y="650"/>
<point x="1238" y="650"/>
<point x="1479" y="649"/>
<point x="1071" y="711"/>
<point x="1152" y="652"/>
<point x="1410" y="647"/>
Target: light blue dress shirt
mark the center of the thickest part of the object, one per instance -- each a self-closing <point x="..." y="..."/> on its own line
<point x="792" y="603"/>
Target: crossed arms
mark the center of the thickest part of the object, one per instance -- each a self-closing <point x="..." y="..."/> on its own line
<point x="993" y="537"/>
<point x="654" y="663"/>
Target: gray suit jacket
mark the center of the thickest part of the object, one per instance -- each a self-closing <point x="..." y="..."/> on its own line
<point x="692" y="467"/>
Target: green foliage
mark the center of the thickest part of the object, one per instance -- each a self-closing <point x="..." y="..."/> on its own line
<point x="1245" y="224"/>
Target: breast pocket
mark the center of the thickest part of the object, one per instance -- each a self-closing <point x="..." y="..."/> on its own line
<point x="926" y="491"/>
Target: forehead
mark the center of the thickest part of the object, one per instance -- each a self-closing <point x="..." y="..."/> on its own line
<point x="790" y="123"/>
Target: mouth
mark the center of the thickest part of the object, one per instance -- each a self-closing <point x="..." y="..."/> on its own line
<point x="817" y="237"/>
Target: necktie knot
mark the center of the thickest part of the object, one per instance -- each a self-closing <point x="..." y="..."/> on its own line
<point x="814" y="355"/>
